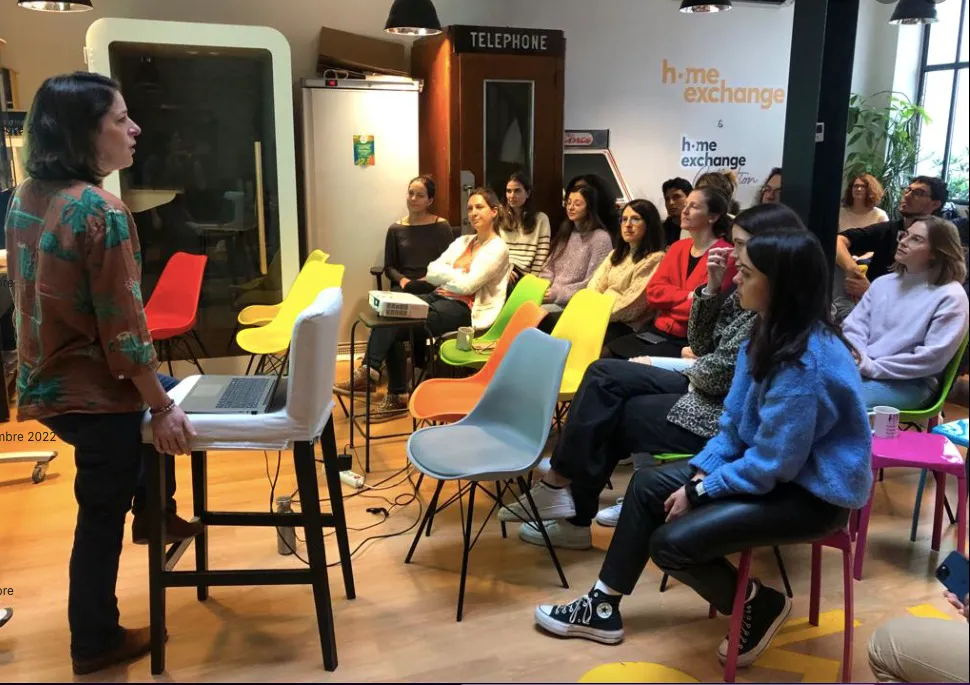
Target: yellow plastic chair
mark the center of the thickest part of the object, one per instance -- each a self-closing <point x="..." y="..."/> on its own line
<point x="583" y="323"/>
<point x="274" y="337"/>
<point x="262" y="314"/>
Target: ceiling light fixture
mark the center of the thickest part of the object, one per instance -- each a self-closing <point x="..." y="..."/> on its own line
<point x="413" y="18"/>
<point x="913" y="12"/>
<point x="704" y="6"/>
<point x="53" y="6"/>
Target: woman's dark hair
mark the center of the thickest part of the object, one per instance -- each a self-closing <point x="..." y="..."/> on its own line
<point x="529" y="218"/>
<point x="427" y="182"/>
<point x="653" y="238"/>
<point x="717" y="203"/>
<point x="798" y="276"/>
<point x="763" y="218"/>
<point x="605" y="207"/>
<point x="63" y="122"/>
<point x="592" y="222"/>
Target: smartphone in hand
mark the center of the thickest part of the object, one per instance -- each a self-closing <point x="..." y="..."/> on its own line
<point x="954" y="573"/>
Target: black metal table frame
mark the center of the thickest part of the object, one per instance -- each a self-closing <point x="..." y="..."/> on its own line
<point x="365" y="431"/>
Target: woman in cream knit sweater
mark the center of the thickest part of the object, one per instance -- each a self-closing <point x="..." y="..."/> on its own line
<point x="627" y="270"/>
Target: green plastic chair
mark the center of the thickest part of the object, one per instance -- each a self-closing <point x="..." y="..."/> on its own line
<point x="529" y="289"/>
<point x="932" y="417"/>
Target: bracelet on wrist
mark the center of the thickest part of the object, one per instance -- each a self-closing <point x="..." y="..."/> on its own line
<point x="163" y="410"/>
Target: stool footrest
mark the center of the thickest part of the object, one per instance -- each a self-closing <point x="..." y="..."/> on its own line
<point x="259" y="519"/>
<point x="279" y="576"/>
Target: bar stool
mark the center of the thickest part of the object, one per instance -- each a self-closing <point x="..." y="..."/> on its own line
<point x="299" y="415"/>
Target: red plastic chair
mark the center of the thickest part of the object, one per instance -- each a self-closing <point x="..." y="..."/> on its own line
<point x="840" y="541"/>
<point x="172" y="309"/>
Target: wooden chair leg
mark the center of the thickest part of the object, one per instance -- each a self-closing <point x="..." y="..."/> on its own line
<point x="306" y="478"/>
<point x="200" y="508"/>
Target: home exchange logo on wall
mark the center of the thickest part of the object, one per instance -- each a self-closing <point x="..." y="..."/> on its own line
<point x="705" y="86"/>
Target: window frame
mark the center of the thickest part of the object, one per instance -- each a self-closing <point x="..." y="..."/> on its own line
<point x="954" y="67"/>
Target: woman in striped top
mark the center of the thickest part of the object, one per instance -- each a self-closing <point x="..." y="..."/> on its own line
<point x="524" y="230"/>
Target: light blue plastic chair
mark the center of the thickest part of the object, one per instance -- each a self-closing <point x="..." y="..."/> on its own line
<point x="502" y="439"/>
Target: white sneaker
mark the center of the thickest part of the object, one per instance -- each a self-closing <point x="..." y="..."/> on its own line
<point x="544" y="466"/>
<point x="562" y="534"/>
<point x="609" y="516"/>
<point x="552" y="503"/>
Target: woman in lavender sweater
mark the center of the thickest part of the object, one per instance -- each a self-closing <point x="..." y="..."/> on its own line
<point x="580" y="245"/>
<point x="910" y="324"/>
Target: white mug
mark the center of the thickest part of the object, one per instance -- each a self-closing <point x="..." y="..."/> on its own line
<point x="464" y="340"/>
<point x="886" y="422"/>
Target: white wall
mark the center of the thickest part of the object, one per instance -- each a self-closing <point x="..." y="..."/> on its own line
<point x="875" y="52"/>
<point x="614" y="61"/>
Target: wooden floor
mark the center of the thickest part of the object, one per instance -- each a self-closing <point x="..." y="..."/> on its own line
<point x="402" y="625"/>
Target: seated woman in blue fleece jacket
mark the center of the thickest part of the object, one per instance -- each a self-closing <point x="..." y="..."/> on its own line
<point x="789" y="462"/>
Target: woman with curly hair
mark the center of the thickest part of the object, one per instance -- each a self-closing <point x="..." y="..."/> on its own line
<point x="860" y="203"/>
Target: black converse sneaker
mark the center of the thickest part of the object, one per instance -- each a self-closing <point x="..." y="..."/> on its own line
<point x="765" y="612"/>
<point x="595" y="616"/>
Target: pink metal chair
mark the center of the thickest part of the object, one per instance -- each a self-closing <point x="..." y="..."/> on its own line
<point x="918" y="451"/>
<point x="840" y="541"/>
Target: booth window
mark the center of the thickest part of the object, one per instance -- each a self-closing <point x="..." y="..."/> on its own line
<point x="943" y="91"/>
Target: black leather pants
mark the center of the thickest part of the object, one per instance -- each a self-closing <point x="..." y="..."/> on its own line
<point x="692" y="548"/>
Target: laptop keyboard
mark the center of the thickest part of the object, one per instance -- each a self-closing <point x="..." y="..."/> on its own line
<point x="243" y="393"/>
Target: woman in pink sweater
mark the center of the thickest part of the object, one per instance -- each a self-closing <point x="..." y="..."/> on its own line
<point x="579" y="246"/>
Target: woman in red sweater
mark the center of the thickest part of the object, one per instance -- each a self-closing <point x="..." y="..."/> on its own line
<point x="682" y="271"/>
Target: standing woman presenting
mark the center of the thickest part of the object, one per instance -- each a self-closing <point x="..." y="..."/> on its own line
<point x="87" y="364"/>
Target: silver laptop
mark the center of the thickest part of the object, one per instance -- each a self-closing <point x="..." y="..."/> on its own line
<point x="230" y="395"/>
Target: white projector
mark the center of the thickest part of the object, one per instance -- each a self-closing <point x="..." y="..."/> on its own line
<point x="397" y="305"/>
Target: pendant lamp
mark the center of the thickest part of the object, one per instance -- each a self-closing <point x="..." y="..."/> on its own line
<point x="704" y="6"/>
<point x="57" y="6"/>
<point x="910" y="12"/>
<point x="413" y="18"/>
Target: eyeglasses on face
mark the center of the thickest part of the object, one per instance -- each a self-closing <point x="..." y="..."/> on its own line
<point x="916" y="192"/>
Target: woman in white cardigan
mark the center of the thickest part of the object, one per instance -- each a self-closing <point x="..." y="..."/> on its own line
<point x="471" y="278"/>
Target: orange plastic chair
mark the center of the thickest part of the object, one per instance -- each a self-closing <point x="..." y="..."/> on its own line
<point x="445" y="400"/>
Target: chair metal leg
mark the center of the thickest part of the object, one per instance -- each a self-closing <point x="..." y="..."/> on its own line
<point x="306" y="478"/>
<point x="155" y="489"/>
<point x="200" y="507"/>
<point x="168" y="356"/>
<point x="498" y="494"/>
<point x="917" y="504"/>
<point x="425" y="521"/>
<point x="198" y="341"/>
<point x="328" y="445"/>
<point x="734" y="636"/>
<point x="663" y="582"/>
<point x="537" y="520"/>
<point x="466" y="548"/>
<point x="949" y="512"/>
<point x="783" y="572"/>
<point x="849" y="614"/>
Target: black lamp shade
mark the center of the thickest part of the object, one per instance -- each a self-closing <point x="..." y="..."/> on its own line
<point x="413" y="18"/>
<point x="914" y="12"/>
<point x="57" y="5"/>
<point x="704" y="6"/>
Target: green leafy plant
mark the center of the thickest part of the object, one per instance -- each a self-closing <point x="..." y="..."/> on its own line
<point x="883" y="140"/>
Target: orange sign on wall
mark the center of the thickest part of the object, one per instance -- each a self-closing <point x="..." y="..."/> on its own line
<point x="705" y="86"/>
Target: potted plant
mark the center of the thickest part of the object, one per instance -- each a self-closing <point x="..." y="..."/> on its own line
<point x="883" y="140"/>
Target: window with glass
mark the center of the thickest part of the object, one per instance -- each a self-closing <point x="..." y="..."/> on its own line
<point x="943" y="88"/>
